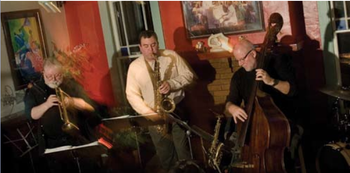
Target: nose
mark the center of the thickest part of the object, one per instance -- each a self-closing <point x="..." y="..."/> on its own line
<point x="240" y="63"/>
<point x="153" y="48"/>
<point x="56" y="78"/>
<point x="148" y="49"/>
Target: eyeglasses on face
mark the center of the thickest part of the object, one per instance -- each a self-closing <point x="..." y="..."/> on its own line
<point x="246" y="55"/>
<point x="53" y="76"/>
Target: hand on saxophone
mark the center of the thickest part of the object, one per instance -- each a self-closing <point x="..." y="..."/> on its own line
<point x="164" y="88"/>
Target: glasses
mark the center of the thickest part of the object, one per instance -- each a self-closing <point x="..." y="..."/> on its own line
<point x="54" y="76"/>
<point x="246" y="55"/>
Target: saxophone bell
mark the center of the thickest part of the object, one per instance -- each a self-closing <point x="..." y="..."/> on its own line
<point x="168" y="105"/>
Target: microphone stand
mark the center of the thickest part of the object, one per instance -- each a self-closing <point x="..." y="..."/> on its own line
<point x="76" y="158"/>
<point x="172" y="116"/>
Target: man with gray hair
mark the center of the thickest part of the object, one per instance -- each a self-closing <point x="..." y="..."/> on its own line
<point x="44" y="106"/>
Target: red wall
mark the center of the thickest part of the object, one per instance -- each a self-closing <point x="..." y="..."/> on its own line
<point x="84" y="26"/>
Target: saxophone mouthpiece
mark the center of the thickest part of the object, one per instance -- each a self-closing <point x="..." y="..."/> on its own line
<point x="155" y="56"/>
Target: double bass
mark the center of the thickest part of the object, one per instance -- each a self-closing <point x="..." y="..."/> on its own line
<point x="262" y="139"/>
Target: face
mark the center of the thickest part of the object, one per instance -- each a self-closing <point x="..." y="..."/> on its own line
<point x="149" y="48"/>
<point x="246" y="58"/>
<point x="53" y="76"/>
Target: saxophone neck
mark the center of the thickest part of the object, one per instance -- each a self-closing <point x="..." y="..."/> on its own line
<point x="218" y="124"/>
<point x="217" y="128"/>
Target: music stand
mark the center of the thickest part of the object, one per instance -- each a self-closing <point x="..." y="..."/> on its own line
<point x="92" y="150"/>
<point x="24" y="137"/>
<point x="133" y="121"/>
<point x="128" y="121"/>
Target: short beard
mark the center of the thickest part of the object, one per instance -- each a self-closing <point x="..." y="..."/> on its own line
<point x="54" y="84"/>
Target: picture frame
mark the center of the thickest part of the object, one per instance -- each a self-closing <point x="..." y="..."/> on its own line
<point x="25" y="43"/>
<point x="203" y="18"/>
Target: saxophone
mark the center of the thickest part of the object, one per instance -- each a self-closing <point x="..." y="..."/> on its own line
<point x="68" y="126"/>
<point x="163" y="104"/>
<point x="215" y="151"/>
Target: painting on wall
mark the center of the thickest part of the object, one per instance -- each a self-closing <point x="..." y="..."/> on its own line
<point x="203" y="18"/>
<point x="25" y="45"/>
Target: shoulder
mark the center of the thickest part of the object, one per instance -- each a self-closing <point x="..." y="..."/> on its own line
<point x="167" y="52"/>
<point x="243" y="76"/>
<point x="37" y="87"/>
<point x="138" y="61"/>
<point x="279" y="57"/>
<point x="137" y="64"/>
<point x="70" y="83"/>
<point x="240" y="72"/>
<point x="171" y="55"/>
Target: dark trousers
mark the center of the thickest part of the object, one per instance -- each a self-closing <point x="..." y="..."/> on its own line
<point x="170" y="147"/>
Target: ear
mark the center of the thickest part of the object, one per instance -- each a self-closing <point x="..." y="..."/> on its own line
<point x="254" y="54"/>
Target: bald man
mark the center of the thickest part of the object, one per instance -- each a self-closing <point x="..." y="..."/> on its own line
<point x="277" y="77"/>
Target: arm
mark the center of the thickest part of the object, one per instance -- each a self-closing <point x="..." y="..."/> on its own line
<point x="185" y="76"/>
<point x="134" y="95"/>
<point x="38" y="111"/>
<point x="282" y="86"/>
<point x="284" y="79"/>
<point x="80" y="104"/>
<point x="235" y="97"/>
<point x="77" y="97"/>
<point x="236" y="112"/>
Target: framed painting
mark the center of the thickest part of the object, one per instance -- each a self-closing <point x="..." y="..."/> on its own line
<point x="203" y="18"/>
<point x="25" y="45"/>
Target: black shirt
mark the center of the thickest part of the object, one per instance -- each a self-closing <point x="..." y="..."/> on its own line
<point x="50" y="131"/>
<point x="278" y="67"/>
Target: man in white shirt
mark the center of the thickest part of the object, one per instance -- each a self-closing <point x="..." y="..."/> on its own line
<point x="141" y="88"/>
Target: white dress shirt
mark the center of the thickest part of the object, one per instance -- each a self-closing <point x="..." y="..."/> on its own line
<point x="139" y="87"/>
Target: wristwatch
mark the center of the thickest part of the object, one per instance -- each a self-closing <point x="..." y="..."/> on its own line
<point x="275" y="82"/>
